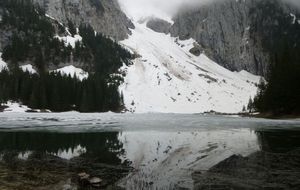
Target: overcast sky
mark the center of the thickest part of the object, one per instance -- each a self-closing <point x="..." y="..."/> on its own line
<point x="139" y="9"/>
<point x="295" y="2"/>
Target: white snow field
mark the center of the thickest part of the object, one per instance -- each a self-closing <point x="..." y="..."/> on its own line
<point x="24" y="68"/>
<point x="28" y="68"/>
<point x="70" y="40"/>
<point x="168" y="78"/>
<point x="3" y="65"/>
<point x="73" y="72"/>
<point x="18" y="108"/>
<point x="14" y="107"/>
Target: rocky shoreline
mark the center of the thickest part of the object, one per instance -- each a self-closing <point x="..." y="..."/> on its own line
<point x="260" y="170"/>
<point x="43" y="171"/>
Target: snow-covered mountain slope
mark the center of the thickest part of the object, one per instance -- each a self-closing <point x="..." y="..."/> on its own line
<point x="168" y="78"/>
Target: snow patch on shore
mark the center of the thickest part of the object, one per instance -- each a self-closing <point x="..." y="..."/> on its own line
<point x="14" y="107"/>
<point x="17" y="107"/>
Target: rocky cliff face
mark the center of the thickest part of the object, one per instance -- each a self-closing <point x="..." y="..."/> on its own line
<point x="104" y="16"/>
<point x="224" y="30"/>
<point x="159" y="25"/>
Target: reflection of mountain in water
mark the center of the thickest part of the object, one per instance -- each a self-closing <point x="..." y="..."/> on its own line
<point x="104" y="146"/>
<point x="166" y="160"/>
<point x="278" y="140"/>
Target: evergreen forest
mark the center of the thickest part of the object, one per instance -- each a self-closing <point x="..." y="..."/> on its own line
<point x="32" y="38"/>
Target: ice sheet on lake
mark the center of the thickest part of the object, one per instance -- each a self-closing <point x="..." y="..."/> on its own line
<point x="75" y="122"/>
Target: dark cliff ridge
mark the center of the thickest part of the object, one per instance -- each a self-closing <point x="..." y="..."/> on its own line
<point x="227" y="31"/>
<point x="105" y="16"/>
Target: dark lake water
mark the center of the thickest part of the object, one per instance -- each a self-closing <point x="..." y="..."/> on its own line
<point x="149" y="151"/>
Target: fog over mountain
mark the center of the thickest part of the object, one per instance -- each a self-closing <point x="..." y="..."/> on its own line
<point x="141" y="9"/>
<point x="294" y="2"/>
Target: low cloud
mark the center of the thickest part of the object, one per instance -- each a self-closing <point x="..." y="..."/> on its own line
<point x="139" y="9"/>
<point x="295" y="3"/>
<point x="165" y="9"/>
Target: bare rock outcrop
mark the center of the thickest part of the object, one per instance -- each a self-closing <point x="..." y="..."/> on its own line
<point x="104" y="16"/>
<point x="158" y="25"/>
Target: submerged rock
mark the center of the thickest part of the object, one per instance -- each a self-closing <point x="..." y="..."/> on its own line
<point x="47" y="172"/>
<point x="95" y="180"/>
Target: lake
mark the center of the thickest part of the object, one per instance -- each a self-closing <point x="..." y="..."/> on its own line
<point x="130" y="151"/>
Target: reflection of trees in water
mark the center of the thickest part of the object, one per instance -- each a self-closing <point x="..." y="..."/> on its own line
<point x="104" y="146"/>
<point x="278" y="140"/>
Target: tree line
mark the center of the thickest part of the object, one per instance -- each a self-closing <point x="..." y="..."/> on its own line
<point x="59" y="92"/>
<point x="280" y="95"/>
